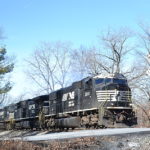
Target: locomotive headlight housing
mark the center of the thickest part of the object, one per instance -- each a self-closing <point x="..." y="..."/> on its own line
<point x="131" y="104"/>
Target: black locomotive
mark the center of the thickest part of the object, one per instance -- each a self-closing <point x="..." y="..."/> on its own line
<point x="92" y="102"/>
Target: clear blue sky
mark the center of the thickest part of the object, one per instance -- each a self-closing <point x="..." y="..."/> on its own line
<point x="28" y="22"/>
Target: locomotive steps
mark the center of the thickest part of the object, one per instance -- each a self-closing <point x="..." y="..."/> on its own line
<point x="45" y="136"/>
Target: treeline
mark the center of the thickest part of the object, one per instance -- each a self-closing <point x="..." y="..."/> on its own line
<point x="56" y="65"/>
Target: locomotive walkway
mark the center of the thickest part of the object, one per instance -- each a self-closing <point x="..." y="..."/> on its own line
<point x="83" y="133"/>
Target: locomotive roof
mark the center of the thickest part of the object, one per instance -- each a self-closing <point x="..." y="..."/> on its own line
<point x="41" y="97"/>
<point x="52" y="95"/>
<point x="115" y="75"/>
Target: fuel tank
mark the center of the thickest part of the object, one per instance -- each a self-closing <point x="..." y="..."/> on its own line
<point x="71" y="122"/>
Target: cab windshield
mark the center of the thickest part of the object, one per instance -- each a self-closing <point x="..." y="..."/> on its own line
<point x="110" y="80"/>
<point x="120" y="81"/>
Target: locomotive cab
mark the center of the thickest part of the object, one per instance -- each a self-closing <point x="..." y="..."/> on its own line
<point x="113" y="90"/>
<point x="114" y="99"/>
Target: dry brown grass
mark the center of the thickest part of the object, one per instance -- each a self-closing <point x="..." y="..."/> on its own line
<point x="18" y="145"/>
<point x="79" y="143"/>
<point x="105" y="142"/>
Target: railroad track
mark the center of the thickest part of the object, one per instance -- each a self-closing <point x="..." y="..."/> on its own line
<point x="45" y="135"/>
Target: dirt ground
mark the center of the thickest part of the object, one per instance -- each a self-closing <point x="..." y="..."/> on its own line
<point x="119" y="142"/>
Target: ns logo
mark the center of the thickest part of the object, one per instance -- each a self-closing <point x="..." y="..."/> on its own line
<point x="68" y="96"/>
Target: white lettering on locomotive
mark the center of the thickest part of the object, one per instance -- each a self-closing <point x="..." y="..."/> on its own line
<point x="68" y="96"/>
<point x="87" y="94"/>
<point x="71" y="103"/>
<point x="32" y="106"/>
<point x="1" y="113"/>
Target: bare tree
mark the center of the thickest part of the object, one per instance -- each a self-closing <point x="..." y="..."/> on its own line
<point x="49" y="66"/>
<point x="117" y="45"/>
<point x="83" y="62"/>
<point x="111" y="57"/>
<point x="145" y="37"/>
<point x="143" y="113"/>
<point x="145" y="52"/>
<point x="141" y="81"/>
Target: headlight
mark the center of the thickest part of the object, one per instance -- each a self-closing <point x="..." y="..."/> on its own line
<point x="112" y="104"/>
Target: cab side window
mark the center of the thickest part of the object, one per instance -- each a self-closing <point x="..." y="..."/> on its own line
<point x="108" y="80"/>
<point x="88" y="84"/>
<point x="99" y="81"/>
